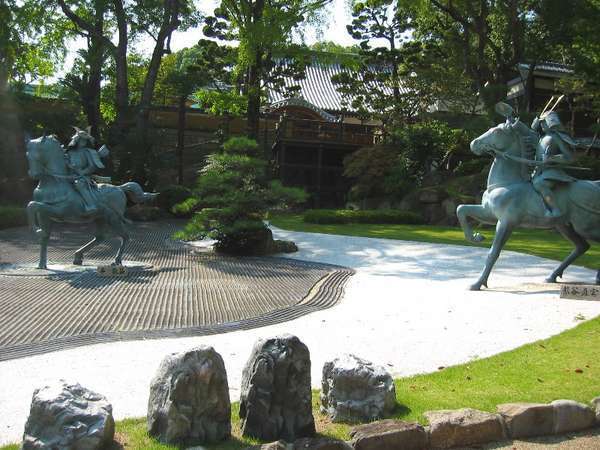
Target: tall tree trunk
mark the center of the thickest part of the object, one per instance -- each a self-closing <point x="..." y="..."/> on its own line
<point x="253" y="123"/>
<point x="255" y="78"/>
<point x="180" y="138"/>
<point x="169" y="24"/>
<point x="122" y="84"/>
<point x="96" y="60"/>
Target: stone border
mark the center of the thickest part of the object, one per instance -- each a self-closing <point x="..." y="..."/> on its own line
<point x="460" y="428"/>
<point x="327" y="292"/>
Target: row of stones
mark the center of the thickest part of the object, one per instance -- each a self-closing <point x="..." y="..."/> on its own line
<point x="189" y="403"/>
<point x="189" y="399"/>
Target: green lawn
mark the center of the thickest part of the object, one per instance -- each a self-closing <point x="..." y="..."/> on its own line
<point x="563" y="366"/>
<point x="544" y="243"/>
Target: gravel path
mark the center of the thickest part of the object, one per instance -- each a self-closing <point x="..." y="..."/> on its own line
<point x="407" y="308"/>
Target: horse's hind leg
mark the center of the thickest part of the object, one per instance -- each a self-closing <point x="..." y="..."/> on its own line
<point x="581" y="246"/>
<point x="44" y="238"/>
<point x="43" y="232"/>
<point x="503" y="232"/>
<point x="98" y="238"/>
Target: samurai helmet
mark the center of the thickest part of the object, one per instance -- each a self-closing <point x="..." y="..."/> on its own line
<point x="552" y="120"/>
<point x="81" y="135"/>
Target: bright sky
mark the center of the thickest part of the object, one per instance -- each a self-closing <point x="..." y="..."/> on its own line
<point x="338" y="16"/>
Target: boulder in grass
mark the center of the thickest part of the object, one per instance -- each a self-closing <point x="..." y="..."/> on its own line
<point x="463" y="427"/>
<point x="527" y="419"/>
<point x="572" y="416"/>
<point x="68" y="417"/>
<point x="189" y="398"/>
<point x="389" y="435"/>
<point x="276" y="397"/>
<point x="596" y="403"/>
<point x="355" y="390"/>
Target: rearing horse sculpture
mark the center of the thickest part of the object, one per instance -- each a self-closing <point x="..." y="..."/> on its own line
<point x="55" y="200"/>
<point x="510" y="200"/>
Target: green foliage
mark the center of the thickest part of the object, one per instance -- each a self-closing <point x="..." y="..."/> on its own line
<point x="232" y="197"/>
<point x="412" y="153"/>
<point x="206" y="64"/>
<point x="32" y="41"/>
<point x="222" y="103"/>
<point x="342" y="216"/>
<point x="12" y="216"/>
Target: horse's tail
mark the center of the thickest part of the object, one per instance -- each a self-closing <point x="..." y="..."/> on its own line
<point x="136" y="194"/>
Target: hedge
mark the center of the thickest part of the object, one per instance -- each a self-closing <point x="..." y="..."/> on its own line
<point x="12" y="216"/>
<point x="375" y="216"/>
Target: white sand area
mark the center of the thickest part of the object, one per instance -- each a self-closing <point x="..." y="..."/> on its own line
<point x="406" y="308"/>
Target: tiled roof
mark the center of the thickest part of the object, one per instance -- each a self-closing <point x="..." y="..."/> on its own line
<point x="549" y="66"/>
<point x="318" y="89"/>
<point x="299" y="101"/>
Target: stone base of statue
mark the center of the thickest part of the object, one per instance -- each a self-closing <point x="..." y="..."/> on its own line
<point x="580" y="291"/>
<point x="111" y="270"/>
<point x="31" y="269"/>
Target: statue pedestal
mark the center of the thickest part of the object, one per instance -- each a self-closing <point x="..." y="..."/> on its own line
<point x="580" y="292"/>
<point x="111" y="271"/>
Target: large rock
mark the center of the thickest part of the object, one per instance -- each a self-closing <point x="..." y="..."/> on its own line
<point x="572" y="416"/>
<point x="278" y="445"/>
<point x="275" y="398"/>
<point x="527" y="419"/>
<point x="320" y="444"/>
<point x="596" y="403"/>
<point x="304" y="444"/>
<point x="463" y="427"/>
<point x="189" y="398"/>
<point x="389" y="435"/>
<point x="68" y="417"/>
<point x="355" y="390"/>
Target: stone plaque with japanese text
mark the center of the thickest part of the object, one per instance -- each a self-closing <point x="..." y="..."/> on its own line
<point x="580" y="292"/>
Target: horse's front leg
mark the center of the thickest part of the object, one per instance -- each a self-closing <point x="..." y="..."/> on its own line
<point x="478" y="212"/>
<point x="119" y="256"/>
<point x="503" y="232"/>
<point x="44" y="235"/>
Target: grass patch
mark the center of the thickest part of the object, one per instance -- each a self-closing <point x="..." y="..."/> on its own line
<point x="12" y="216"/>
<point x="379" y="216"/>
<point x="545" y="243"/>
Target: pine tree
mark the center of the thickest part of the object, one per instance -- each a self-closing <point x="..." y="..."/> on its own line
<point x="231" y="200"/>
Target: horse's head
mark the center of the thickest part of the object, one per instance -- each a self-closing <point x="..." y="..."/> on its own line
<point x="45" y="156"/>
<point x="505" y="137"/>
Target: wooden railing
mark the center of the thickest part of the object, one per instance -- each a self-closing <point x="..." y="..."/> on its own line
<point x="320" y="131"/>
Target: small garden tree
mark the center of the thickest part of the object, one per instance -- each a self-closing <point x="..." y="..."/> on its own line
<point x="231" y="200"/>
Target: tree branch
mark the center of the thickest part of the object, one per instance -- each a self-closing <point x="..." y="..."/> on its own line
<point x="85" y="26"/>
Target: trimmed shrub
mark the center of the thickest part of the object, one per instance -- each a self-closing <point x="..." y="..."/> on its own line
<point x="12" y="216"/>
<point x="374" y="216"/>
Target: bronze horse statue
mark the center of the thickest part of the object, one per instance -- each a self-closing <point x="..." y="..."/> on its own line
<point x="56" y="200"/>
<point x="510" y="200"/>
